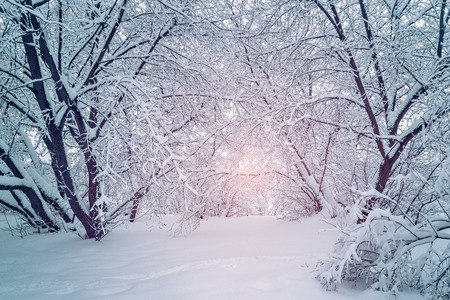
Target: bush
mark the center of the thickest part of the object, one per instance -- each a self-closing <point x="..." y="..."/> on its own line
<point x="390" y="252"/>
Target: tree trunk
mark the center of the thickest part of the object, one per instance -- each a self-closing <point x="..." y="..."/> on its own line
<point x="384" y="173"/>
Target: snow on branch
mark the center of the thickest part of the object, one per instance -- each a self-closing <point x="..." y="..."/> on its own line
<point x="388" y="253"/>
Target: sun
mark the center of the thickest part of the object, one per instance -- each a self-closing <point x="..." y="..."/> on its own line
<point x="254" y="170"/>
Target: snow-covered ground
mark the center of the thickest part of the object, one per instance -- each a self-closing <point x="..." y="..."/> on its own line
<point x="228" y="258"/>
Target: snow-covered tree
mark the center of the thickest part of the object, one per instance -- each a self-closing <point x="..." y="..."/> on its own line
<point x="393" y="58"/>
<point x="110" y="109"/>
<point x="86" y="126"/>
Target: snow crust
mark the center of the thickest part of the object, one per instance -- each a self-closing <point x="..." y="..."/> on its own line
<point x="226" y="258"/>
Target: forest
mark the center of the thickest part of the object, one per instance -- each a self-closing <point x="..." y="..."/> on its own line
<point x="117" y="109"/>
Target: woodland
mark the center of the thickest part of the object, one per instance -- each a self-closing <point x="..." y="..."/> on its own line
<point x="117" y="109"/>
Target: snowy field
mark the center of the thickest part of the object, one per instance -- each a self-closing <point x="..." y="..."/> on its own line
<point x="229" y="258"/>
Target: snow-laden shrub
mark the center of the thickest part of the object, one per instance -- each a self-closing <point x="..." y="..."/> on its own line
<point x="390" y="252"/>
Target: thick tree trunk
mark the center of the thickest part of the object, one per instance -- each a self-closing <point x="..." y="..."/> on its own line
<point x="61" y="167"/>
<point x="384" y="172"/>
<point x="53" y="135"/>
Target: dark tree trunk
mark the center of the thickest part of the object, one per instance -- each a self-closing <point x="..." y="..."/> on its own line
<point x="136" y="200"/>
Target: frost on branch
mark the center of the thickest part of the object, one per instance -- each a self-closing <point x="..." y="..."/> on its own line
<point x="389" y="252"/>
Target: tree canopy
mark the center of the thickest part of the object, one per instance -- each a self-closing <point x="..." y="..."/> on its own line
<point x="119" y="108"/>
